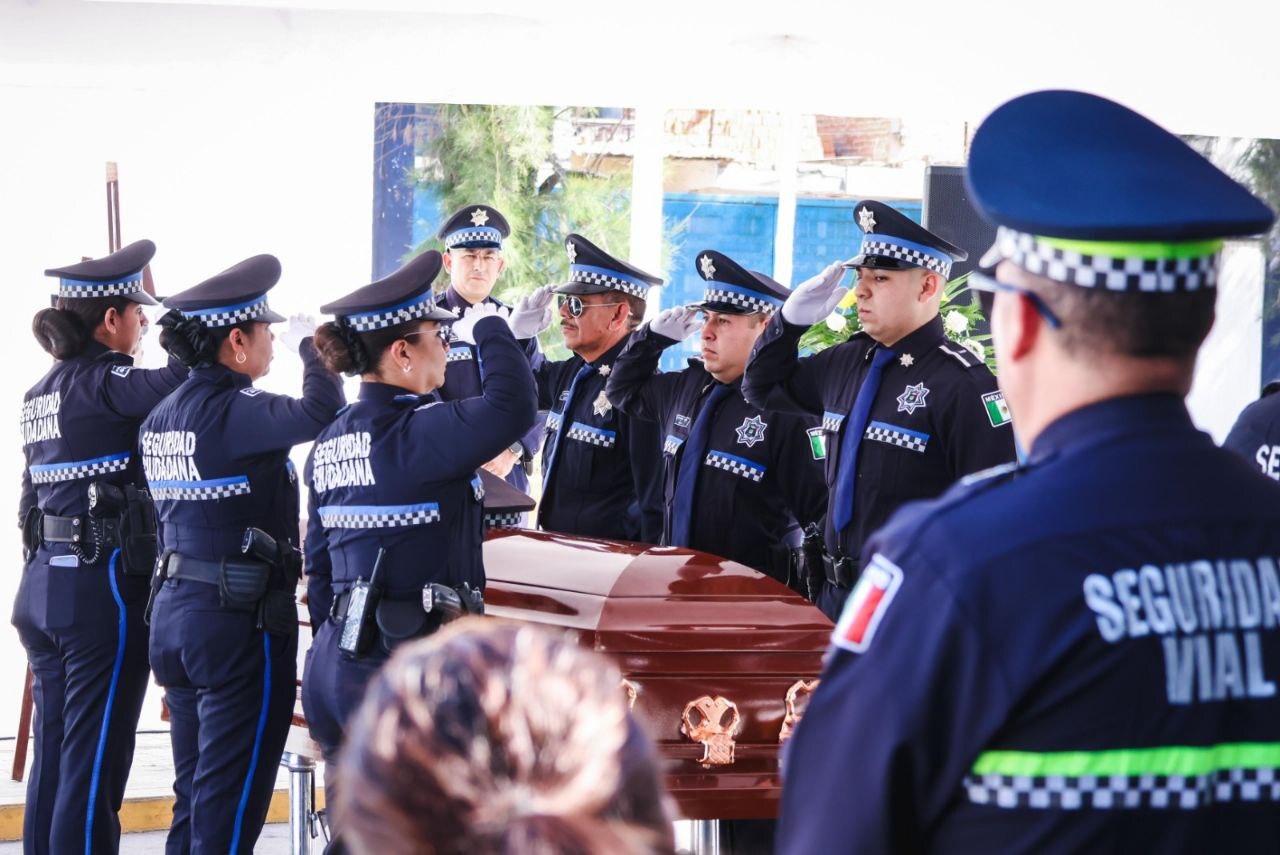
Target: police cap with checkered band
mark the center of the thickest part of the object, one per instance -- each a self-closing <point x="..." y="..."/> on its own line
<point x="734" y="290"/>
<point x="236" y="295"/>
<point x="395" y="299"/>
<point x="594" y="271"/>
<point x="474" y="227"/>
<point x="1086" y="192"/>
<point x="893" y="241"/>
<point x="116" y="275"/>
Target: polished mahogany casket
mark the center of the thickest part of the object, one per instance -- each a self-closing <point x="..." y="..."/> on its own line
<point x="718" y="658"/>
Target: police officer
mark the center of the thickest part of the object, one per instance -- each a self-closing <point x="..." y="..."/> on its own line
<point x="472" y="238"/>
<point x="395" y="526"/>
<point x="1256" y="434"/>
<point x="906" y="411"/>
<point x="224" y="625"/>
<point x="599" y="467"/>
<point x="1082" y="653"/>
<point x="737" y="481"/>
<point x="84" y="587"/>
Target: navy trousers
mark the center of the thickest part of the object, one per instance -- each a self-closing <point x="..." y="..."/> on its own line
<point x="332" y="688"/>
<point x="230" y="689"/>
<point x="87" y="645"/>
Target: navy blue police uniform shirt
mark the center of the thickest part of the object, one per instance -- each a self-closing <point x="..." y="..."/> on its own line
<point x="462" y="378"/>
<point x="216" y="455"/>
<point x="1078" y="655"/>
<point x="607" y="482"/>
<point x="938" y="416"/>
<point x="80" y="424"/>
<point x="1256" y="434"/>
<point x="398" y="471"/>
<point x="761" y="478"/>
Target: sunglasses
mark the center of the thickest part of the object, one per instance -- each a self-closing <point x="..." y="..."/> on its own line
<point x="442" y="333"/>
<point x="986" y="287"/>
<point x="576" y="307"/>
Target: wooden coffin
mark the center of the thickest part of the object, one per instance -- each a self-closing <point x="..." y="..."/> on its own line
<point x="711" y="650"/>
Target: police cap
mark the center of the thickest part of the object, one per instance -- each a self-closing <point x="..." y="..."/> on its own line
<point x="234" y="296"/>
<point x="116" y="275"/>
<point x="395" y="299"/>
<point x="733" y="290"/>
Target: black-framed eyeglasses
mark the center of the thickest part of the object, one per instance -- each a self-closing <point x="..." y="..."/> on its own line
<point x="442" y="333"/>
<point x="576" y="307"/>
<point x="986" y="286"/>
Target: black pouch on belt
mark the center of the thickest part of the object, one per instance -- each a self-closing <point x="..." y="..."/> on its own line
<point x="138" y="532"/>
<point x="278" y="613"/>
<point x="242" y="583"/>
<point x="31" y="533"/>
<point x="402" y="620"/>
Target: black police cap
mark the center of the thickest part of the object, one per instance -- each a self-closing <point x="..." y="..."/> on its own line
<point x="395" y="299"/>
<point x="594" y="271"/>
<point x="236" y="295"/>
<point x="734" y="290"/>
<point x="893" y="241"/>
<point x="116" y="275"/>
<point x="474" y="227"/>
<point x="502" y="498"/>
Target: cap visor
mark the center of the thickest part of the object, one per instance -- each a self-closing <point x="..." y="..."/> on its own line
<point x="270" y="317"/>
<point x="142" y="298"/>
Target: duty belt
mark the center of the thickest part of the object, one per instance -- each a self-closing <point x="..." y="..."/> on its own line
<point x="62" y="529"/>
<point x="841" y="571"/>
<point x="181" y="566"/>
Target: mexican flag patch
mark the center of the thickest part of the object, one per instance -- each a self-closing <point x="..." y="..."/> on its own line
<point x="997" y="409"/>
<point x="867" y="604"/>
<point x="818" y="443"/>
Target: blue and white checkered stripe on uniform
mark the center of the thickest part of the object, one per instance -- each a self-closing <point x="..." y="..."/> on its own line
<point x="200" y="491"/>
<point x="592" y="435"/>
<point x="1109" y="792"/>
<point x="894" y="435"/>
<point x="553" y="421"/>
<point x="1147" y="275"/>
<point x="672" y="444"/>
<point x="832" y="421"/>
<point x="53" y="473"/>
<point x="586" y="274"/>
<point x="487" y="234"/>
<point x="737" y="465"/>
<point x="378" y="516"/>
<point x="226" y="316"/>
<point x="503" y="520"/>
<point x="83" y="288"/>
<point x="736" y="295"/>
<point x="410" y="310"/>
<point x="459" y="354"/>
<point x="901" y="249"/>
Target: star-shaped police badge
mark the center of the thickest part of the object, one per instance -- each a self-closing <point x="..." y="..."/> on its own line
<point x="751" y="431"/>
<point x="479" y="217"/>
<point x="571" y="251"/>
<point x="708" y="266"/>
<point x="605" y="370"/>
<point x="867" y="220"/>
<point x="912" y="398"/>
<point x="907" y="360"/>
<point x="601" y="406"/>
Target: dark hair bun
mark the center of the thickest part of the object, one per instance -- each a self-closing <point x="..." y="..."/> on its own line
<point x="340" y="349"/>
<point x="60" y="332"/>
<point x="187" y="340"/>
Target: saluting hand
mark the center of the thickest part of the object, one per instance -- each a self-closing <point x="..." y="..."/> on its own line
<point x="814" y="299"/>
<point x="677" y="323"/>
<point x="532" y="314"/>
<point x="464" y="327"/>
<point x="300" y="326"/>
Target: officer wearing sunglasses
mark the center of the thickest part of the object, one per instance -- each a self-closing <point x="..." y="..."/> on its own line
<point x="599" y="465"/>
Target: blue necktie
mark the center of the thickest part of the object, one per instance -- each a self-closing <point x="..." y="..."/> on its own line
<point x="565" y="413"/>
<point x="687" y="475"/>
<point x="854" y="426"/>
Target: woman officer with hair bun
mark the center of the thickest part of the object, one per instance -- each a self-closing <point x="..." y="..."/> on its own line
<point x="81" y="599"/>
<point x="395" y="513"/>
<point x="224" y="625"/>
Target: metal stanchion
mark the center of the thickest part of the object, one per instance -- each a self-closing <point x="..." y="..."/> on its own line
<point x="302" y="777"/>
<point x="698" y="836"/>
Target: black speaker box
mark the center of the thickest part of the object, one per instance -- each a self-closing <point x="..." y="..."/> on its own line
<point x="949" y="214"/>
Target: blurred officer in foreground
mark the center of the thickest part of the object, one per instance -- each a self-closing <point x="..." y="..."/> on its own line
<point x="737" y="482"/>
<point x="473" y="237"/>
<point x="395" y="526"/>
<point x="907" y="411"/>
<point x="1256" y="434"/>
<point x="1079" y="654"/>
<point x="224" y="627"/>
<point x="500" y="737"/>
<point x="599" y="466"/>
<point x="89" y="541"/>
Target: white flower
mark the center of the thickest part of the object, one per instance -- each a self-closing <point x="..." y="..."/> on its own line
<point x="955" y="322"/>
<point x="975" y="348"/>
<point x="836" y="322"/>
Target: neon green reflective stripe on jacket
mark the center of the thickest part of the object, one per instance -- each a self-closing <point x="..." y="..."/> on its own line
<point x="1172" y="760"/>
<point x="1135" y="249"/>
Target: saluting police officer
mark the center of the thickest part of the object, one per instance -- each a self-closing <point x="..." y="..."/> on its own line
<point x="906" y="411"/>
<point x="395" y="526"/>
<point x="737" y="481"/>
<point x="224" y="625"/>
<point x="89" y="543"/>
<point x="472" y="238"/>
<point x="1256" y="434"/>
<point x="1081" y="653"/>
<point x="599" y="466"/>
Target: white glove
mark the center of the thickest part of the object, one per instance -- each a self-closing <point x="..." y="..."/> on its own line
<point x="815" y="298"/>
<point x="464" y="329"/>
<point x="532" y="314"/>
<point x="678" y="323"/>
<point x="300" y="326"/>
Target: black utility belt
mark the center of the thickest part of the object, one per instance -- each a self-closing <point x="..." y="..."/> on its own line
<point x="840" y="571"/>
<point x="243" y="585"/>
<point x="65" y="529"/>
<point x="404" y="618"/>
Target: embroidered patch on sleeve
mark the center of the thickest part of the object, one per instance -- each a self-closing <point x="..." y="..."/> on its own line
<point x="997" y="410"/>
<point x="867" y="605"/>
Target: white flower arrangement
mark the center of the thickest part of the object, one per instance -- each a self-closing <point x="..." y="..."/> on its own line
<point x="955" y="322"/>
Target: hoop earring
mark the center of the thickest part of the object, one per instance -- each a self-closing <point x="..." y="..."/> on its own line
<point x="240" y="358"/>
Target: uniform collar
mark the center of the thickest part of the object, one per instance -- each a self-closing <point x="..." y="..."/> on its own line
<point x="381" y="393"/>
<point x="219" y="374"/>
<point x="923" y="339"/>
<point x="1131" y="414"/>
<point x="454" y="300"/>
<point x="609" y="355"/>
